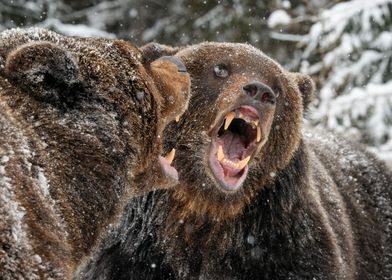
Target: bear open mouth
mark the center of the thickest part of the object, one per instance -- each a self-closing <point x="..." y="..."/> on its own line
<point x="233" y="142"/>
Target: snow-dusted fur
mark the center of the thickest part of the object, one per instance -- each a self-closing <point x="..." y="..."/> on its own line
<point x="314" y="205"/>
<point x="80" y="123"/>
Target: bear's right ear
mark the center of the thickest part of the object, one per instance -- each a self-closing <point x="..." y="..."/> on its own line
<point x="153" y="51"/>
<point x="46" y="70"/>
<point x="306" y="86"/>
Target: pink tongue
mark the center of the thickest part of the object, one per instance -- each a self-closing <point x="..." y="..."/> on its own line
<point x="232" y="146"/>
<point x="230" y="171"/>
<point x="233" y="149"/>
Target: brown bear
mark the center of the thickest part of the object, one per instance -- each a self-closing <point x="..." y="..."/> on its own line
<point x="260" y="196"/>
<point x="81" y="122"/>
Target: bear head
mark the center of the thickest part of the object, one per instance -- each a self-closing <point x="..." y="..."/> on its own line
<point x="107" y="89"/>
<point x="242" y="127"/>
<point x="90" y="113"/>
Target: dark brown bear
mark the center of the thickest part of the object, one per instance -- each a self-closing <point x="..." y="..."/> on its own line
<point x="260" y="197"/>
<point x="81" y="122"/>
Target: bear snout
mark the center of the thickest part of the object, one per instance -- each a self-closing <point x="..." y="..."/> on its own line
<point x="260" y="92"/>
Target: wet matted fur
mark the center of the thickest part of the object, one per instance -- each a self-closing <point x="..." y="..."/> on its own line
<point x="312" y="205"/>
<point x="80" y="122"/>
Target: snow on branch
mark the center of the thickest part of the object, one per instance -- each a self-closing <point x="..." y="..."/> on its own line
<point x="349" y="52"/>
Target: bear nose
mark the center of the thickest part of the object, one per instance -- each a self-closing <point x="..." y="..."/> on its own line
<point x="260" y="92"/>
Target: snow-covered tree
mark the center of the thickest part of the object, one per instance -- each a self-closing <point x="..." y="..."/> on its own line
<point x="345" y="45"/>
<point x="175" y="22"/>
<point x="349" y="52"/>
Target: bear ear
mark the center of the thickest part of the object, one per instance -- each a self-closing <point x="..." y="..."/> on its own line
<point x="46" y="70"/>
<point x="153" y="51"/>
<point x="306" y="86"/>
<point x="173" y="82"/>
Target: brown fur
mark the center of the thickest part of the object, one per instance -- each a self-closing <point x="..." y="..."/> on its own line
<point x="211" y="211"/>
<point x="209" y="90"/>
<point x="313" y="205"/>
<point x="81" y="122"/>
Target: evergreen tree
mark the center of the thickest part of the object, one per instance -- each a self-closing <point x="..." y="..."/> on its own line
<point x="345" y="45"/>
<point x="174" y="22"/>
<point x="349" y="52"/>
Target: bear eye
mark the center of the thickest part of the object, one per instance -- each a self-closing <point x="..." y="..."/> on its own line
<point x="221" y="71"/>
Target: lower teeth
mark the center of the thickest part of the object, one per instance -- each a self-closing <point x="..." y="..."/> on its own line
<point x="231" y="163"/>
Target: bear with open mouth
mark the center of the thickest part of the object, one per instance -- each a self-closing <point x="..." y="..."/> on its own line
<point x="81" y="123"/>
<point x="260" y="196"/>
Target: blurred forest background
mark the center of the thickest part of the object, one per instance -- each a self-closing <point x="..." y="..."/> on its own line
<point x="346" y="46"/>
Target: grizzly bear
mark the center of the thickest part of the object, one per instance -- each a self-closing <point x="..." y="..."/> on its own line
<point x="260" y="196"/>
<point x="81" y="123"/>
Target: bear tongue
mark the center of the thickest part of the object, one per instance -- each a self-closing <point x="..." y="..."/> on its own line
<point x="234" y="149"/>
<point x="230" y="171"/>
<point x="233" y="146"/>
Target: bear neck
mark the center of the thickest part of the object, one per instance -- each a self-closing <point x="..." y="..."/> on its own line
<point x="282" y="198"/>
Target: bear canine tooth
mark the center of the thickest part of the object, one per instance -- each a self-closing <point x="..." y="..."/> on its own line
<point x="258" y="138"/>
<point x="221" y="154"/>
<point x="178" y="118"/>
<point x="229" y="119"/>
<point x="170" y="156"/>
<point x="243" y="162"/>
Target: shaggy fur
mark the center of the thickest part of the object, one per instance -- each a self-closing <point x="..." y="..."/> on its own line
<point x="313" y="206"/>
<point x="80" y="122"/>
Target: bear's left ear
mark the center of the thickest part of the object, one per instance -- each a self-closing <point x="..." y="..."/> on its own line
<point x="306" y="86"/>
<point x="47" y="71"/>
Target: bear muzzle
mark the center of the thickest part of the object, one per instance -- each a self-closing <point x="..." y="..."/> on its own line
<point x="234" y="141"/>
<point x="243" y="123"/>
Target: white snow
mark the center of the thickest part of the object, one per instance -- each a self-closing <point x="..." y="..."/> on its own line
<point x="278" y="17"/>
<point x="383" y="41"/>
<point x="352" y="63"/>
<point x="80" y="30"/>
<point x="43" y="182"/>
<point x="4" y="159"/>
<point x="355" y="97"/>
<point x="10" y="209"/>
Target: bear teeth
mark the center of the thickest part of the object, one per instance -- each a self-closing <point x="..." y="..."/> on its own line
<point x="221" y="154"/>
<point x="171" y="155"/>
<point x="229" y="118"/>
<point x="244" y="162"/>
<point x="231" y="163"/>
<point x="239" y="165"/>
<point x="258" y="137"/>
<point x="231" y="115"/>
